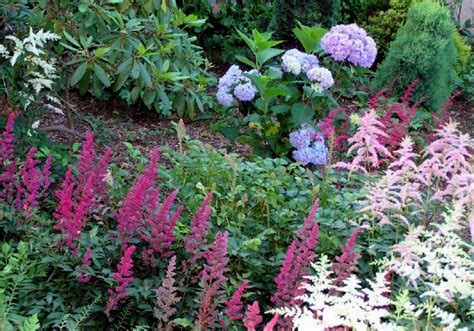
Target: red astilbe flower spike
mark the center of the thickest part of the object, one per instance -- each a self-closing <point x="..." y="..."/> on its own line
<point x="8" y="176"/>
<point x="124" y="277"/>
<point x="166" y="298"/>
<point x="33" y="183"/>
<point x="234" y="305"/>
<point x="273" y="322"/>
<point x="252" y="317"/>
<point x="346" y="263"/>
<point x="196" y="240"/>
<point x="374" y="101"/>
<point x="213" y="278"/>
<point x="131" y="213"/>
<point x="85" y="264"/>
<point x="159" y="227"/>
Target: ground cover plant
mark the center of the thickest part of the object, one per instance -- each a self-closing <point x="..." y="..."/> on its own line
<point x="304" y="189"/>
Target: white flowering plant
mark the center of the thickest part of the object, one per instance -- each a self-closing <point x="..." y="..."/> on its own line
<point x="29" y="71"/>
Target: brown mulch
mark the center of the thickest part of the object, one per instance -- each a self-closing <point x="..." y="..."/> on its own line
<point x="113" y="123"/>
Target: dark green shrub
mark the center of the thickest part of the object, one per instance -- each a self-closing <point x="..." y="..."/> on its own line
<point x="423" y="49"/>
<point x="286" y="14"/>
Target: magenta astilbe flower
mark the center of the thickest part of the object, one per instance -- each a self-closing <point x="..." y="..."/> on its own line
<point x="124" y="277"/>
<point x="213" y="278"/>
<point x="159" y="227"/>
<point x="132" y="212"/>
<point x="273" y="322"/>
<point x="73" y="208"/>
<point x="87" y="167"/>
<point x="8" y="176"/>
<point x="196" y="240"/>
<point x="166" y="297"/>
<point x="252" y="317"/>
<point x="85" y="264"/>
<point x="33" y="183"/>
<point x="346" y="263"/>
<point x="298" y="259"/>
<point x="234" y="305"/>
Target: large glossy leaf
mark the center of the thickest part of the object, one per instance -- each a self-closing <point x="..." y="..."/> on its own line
<point x="300" y="114"/>
<point x="268" y="54"/>
<point x="101" y="75"/>
<point x="309" y="37"/>
<point x="78" y="74"/>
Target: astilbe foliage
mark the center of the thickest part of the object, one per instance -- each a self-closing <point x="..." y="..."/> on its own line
<point x="32" y="183"/>
<point x="213" y="278"/>
<point x="295" y="267"/>
<point x="234" y="304"/>
<point x="336" y="126"/>
<point x="195" y="241"/>
<point x="79" y="195"/>
<point x="252" y="316"/>
<point x="8" y="176"/>
<point x="85" y="264"/>
<point x="167" y="297"/>
<point x="366" y="144"/>
<point x="124" y="277"/>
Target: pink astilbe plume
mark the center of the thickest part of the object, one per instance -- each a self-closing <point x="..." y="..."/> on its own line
<point x="252" y="317"/>
<point x="33" y="182"/>
<point x="142" y="194"/>
<point x="167" y="298"/>
<point x="213" y="278"/>
<point x="346" y="263"/>
<point x="196" y="240"/>
<point x="124" y="277"/>
<point x="336" y="125"/>
<point x="159" y="226"/>
<point x="85" y="264"/>
<point x="448" y="161"/>
<point x="234" y="304"/>
<point x="398" y="189"/>
<point x="8" y="176"/>
<point x="273" y="322"/>
<point x="366" y="144"/>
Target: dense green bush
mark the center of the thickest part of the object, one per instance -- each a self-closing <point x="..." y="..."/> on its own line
<point x="423" y="49"/>
<point x="286" y="15"/>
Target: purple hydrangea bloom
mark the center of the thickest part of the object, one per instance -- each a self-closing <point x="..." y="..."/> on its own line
<point x="351" y="43"/>
<point x="309" y="62"/>
<point x="309" y="146"/>
<point x="292" y="61"/>
<point x="245" y="92"/>
<point x="234" y="83"/>
<point x="321" y="75"/>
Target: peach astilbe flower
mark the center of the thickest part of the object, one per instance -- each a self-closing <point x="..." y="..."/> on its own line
<point x="398" y="189"/>
<point x="365" y="143"/>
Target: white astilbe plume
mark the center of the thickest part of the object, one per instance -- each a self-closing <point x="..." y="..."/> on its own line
<point x="365" y="143"/>
<point x="33" y="65"/>
<point x="398" y="189"/>
<point x="329" y="306"/>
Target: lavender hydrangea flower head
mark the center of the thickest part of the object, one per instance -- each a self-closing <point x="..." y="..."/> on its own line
<point x="245" y="92"/>
<point x="309" y="146"/>
<point x="309" y="62"/>
<point x="351" y="43"/>
<point x="322" y="76"/>
<point x="235" y="84"/>
<point x="292" y="60"/>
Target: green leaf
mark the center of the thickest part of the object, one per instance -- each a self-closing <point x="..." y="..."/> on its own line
<point x="280" y="109"/>
<point x="145" y="75"/>
<point x="43" y="3"/>
<point x="268" y="54"/>
<point x="243" y="59"/>
<point x="300" y="114"/>
<point x="99" y="52"/>
<point x="274" y="92"/>
<point x="250" y="43"/>
<point x="102" y="75"/>
<point x="309" y="37"/>
<point x="71" y="39"/>
<point x="79" y="73"/>
<point x="30" y="324"/>
<point x="83" y="7"/>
